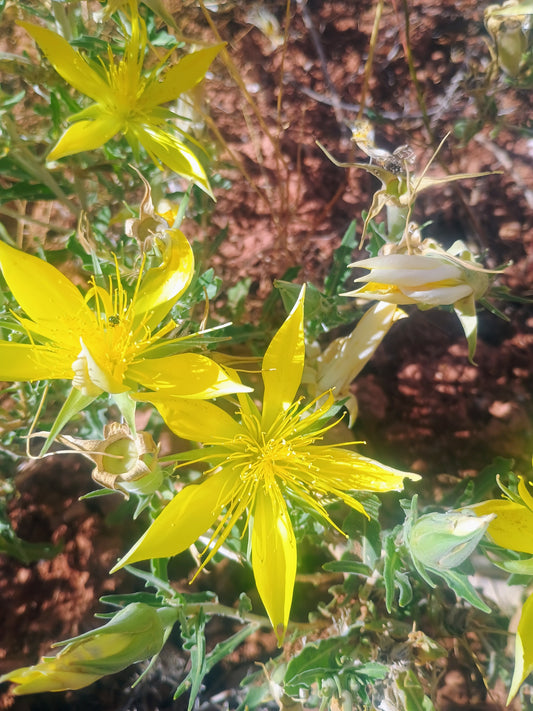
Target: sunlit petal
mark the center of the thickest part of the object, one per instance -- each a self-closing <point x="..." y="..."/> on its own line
<point x="512" y="526"/>
<point x="438" y="293"/>
<point x="195" y="420"/>
<point x="349" y="470"/>
<point x="191" y="513"/>
<point x="33" y="680"/>
<point x="184" y="375"/>
<point x="183" y="76"/>
<point x="67" y="62"/>
<point x="23" y="361"/>
<point x="283" y="364"/>
<point x="42" y="290"/>
<point x="162" y="286"/>
<point x="407" y="270"/>
<point x="99" y="372"/>
<point x="465" y="309"/>
<point x="523" y="648"/>
<point x="168" y="150"/>
<point x="274" y="557"/>
<point x="345" y="357"/>
<point x="85" y="136"/>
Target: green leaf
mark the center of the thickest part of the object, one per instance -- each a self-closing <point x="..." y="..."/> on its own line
<point x="463" y="588"/>
<point x="75" y="402"/>
<point x="517" y="567"/>
<point x="351" y="567"/>
<point x="24" y="551"/>
<point x="412" y="694"/>
<point x="197" y="648"/>
<point x="315" y="661"/>
<point x="378" y="236"/>
<point x="393" y="576"/>
<point x="342" y="257"/>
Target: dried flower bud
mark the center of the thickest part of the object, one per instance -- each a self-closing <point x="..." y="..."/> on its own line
<point x="123" y="461"/>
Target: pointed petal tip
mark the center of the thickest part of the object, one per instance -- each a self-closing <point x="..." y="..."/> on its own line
<point x="280" y="632"/>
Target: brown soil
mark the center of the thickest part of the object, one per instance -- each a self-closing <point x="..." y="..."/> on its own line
<point x="422" y="405"/>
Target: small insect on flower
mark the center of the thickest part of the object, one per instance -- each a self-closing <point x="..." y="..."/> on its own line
<point x="399" y="162"/>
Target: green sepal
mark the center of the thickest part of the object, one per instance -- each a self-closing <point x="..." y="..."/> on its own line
<point x="75" y="402"/>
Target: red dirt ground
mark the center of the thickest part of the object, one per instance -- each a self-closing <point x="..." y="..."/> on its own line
<point x="422" y="405"/>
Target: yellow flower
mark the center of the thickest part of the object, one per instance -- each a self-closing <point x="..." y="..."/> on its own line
<point x="134" y="634"/>
<point x="126" y="99"/>
<point x="513" y="526"/>
<point x="104" y="341"/>
<point x="431" y="279"/>
<point x="260" y="458"/>
<point x="513" y="529"/>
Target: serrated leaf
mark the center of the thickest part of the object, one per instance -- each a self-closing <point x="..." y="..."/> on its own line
<point x="196" y="645"/>
<point x="392" y="575"/>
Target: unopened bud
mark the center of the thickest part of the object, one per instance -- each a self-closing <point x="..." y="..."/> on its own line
<point x="443" y="541"/>
<point x="134" y="634"/>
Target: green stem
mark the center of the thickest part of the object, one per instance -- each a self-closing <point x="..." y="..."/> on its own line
<point x="26" y="160"/>
<point x="216" y="608"/>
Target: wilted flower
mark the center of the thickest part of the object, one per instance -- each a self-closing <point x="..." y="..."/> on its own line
<point x="133" y="634"/>
<point x="431" y="279"/>
<point x="259" y="459"/>
<point x="123" y="461"/>
<point x="339" y="364"/>
<point x="399" y="184"/>
<point x="127" y="99"/>
<point x="509" y="26"/>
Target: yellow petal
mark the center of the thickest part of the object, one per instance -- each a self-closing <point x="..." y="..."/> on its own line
<point x="67" y="62"/>
<point x="349" y="471"/>
<point x="42" y="291"/>
<point x="184" y="375"/>
<point x="512" y="526"/>
<point x="166" y="149"/>
<point x="85" y="136"/>
<point x="283" y="364"/>
<point x="181" y="77"/>
<point x="94" y="374"/>
<point x="191" y="513"/>
<point x="39" y="678"/>
<point x="274" y="558"/>
<point x="195" y="420"/>
<point x="162" y="286"/>
<point x="523" y="648"/>
<point x="523" y="491"/>
<point x="23" y="361"/>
